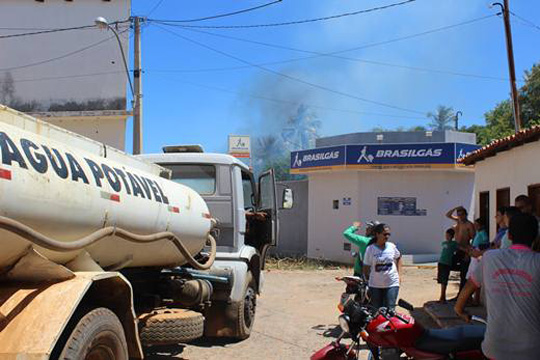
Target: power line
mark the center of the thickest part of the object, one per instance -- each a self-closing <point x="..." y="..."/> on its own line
<point x="282" y="101"/>
<point x="158" y="4"/>
<point x="54" y="30"/>
<point x="58" y="57"/>
<point x="292" y="78"/>
<point x="364" y="11"/>
<point x="361" y="47"/>
<point x="319" y="54"/>
<point x="222" y="15"/>
<point x="527" y="22"/>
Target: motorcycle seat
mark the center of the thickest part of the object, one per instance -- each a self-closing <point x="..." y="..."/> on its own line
<point x="452" y="340"/>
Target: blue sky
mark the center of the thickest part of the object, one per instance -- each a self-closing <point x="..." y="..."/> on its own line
<point x="196" y="95"/>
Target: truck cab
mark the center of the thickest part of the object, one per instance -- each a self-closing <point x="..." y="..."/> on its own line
<point x="246" y="210"/>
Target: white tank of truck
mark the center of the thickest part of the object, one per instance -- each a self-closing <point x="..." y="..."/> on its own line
<point x="76" y="195"/>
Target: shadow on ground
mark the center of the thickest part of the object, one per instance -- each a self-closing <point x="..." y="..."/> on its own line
<point x="330" y="331"/>
<point x="170" y="352"/>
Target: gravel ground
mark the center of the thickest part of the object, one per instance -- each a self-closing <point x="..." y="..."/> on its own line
<point x="297" y="315"/>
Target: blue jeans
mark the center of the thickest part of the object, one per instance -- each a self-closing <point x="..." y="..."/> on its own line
<point x="384" y="297"/>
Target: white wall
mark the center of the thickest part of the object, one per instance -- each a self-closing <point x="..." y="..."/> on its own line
<point x="108" y="130"/>
<point x="41" y="82"/>
<point x="435" y="190"/>
<point x="516" y="168"/>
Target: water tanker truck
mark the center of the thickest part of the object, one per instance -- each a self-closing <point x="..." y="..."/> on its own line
<point x="104" y="254"/>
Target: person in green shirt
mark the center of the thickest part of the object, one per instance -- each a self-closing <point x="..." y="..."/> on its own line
<point x="449" y="247"/>
<point x="360" y="241"/>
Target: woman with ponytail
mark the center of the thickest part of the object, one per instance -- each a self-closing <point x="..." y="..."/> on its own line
<point x="382" y="265"/>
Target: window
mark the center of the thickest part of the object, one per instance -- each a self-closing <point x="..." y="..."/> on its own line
<point x="201" y="178"/>
<point x="249" y="194"/>
<point x="534" y="194"/>
<point x="484" y="208"/>
<point x="503" y="197"/>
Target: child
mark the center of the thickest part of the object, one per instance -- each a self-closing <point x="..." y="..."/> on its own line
<point x="449" y="247"/>
<point x="479" y="243"/>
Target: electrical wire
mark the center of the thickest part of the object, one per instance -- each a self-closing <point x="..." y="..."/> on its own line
<point x="281" y="101"/>
<point x="222" y="15"/>
<point x="319" y="54"/>
<point x="527" y="22"/>
<point x="158" y="4"/>
<point x="361" y="47"/>
<point x="59" y="57"/>
<point x="292" y="78"/>
<point x="296" y="22"/>
<point x="41" y="32"/>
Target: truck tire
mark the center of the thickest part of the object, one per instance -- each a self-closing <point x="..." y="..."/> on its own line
<point x="246" y="309"/>
<point x="98" y="335"/>
<point x="171" y="326"/>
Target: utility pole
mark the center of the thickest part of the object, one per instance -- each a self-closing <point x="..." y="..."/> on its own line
<point x="511" y="67"/>
<point x="456" y="119"/>
<point x="137" y="72"/>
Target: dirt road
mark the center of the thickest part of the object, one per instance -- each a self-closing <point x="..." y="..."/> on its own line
<point x="297" y="315"/>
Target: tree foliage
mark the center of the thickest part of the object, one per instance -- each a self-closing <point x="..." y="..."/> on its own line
<point x="500" y="120"/>
<point x="442" y="119"/>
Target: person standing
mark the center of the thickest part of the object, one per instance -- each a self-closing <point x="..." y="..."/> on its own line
<point x="502" y="228"/>
<point x="465" y="232"/>
<point x="382" y="265"/>
<point x="511" y="282"/>
<point x="449" y="247"/>
<point x="510" y="212"/>
<point x="479" y="244"/>
<point x="525" y="205"/>
<point x="360" y="241"/>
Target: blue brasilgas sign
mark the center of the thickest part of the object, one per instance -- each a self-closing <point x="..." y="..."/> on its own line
<point x="401" y="154"/>
<point x="328" y="157"/>
<point x="378" y="156"/>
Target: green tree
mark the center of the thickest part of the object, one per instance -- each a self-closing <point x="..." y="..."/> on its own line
<point x="442" y="119"/>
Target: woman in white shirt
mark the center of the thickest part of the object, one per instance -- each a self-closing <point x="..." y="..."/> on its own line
<point x="382" y="265"/>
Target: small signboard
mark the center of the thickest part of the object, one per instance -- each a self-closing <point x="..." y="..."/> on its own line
<point x="347" y="201"/>
<point x="240" y="146"/>
<point x="398" y="206"/>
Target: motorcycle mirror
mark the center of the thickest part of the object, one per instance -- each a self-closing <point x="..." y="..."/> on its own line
<point x="402" y="303"/>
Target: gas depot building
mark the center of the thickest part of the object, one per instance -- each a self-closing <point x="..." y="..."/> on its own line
<point x="408" y="180"/>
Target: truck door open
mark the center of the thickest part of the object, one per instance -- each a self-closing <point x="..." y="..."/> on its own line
<point x="267" y="204"/>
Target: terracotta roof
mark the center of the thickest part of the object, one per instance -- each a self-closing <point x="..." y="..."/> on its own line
<point x="504" y="144"/>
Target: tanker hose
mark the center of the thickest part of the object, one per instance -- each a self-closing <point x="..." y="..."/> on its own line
<point x="46" y="242"/>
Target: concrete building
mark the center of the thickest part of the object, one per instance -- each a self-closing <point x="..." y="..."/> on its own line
<point x="405" y="179"/>
<point x="74" y="79"/>
<point x="505" y="169"/>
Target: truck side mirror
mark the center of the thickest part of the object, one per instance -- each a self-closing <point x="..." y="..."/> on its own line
<point x="288" y="199"/>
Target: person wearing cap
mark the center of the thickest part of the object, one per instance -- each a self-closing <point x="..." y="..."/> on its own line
<point x="360" y="241"/>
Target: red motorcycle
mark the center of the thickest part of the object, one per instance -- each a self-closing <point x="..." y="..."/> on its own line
<point x="389" y="336"/>
<point x="355" y="289"/>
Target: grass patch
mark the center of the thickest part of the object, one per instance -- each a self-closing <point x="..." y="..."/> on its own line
<point x="303" y="263"/>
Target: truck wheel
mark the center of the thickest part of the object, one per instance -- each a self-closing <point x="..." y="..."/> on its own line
<point x="233" y="320"/>
<point x="246" y="309"/>
<point x="171" y="326"/>
<point x="98" y="335"/>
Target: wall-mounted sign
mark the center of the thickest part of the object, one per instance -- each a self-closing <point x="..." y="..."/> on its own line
<point x="463" y="150"/>
<point x="398" y="206"/>
<point x="400" y="154"/>
<point x="240" y="146"/>
<point x="347" y="201"/>
<point x="318" y="159"/>
<point x="381" y="156"/>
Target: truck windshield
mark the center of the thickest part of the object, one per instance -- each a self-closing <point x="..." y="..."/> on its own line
<point x="201" y="178"/>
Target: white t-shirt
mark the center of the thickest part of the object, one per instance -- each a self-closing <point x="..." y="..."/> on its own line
<point x="383" y="272"/>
